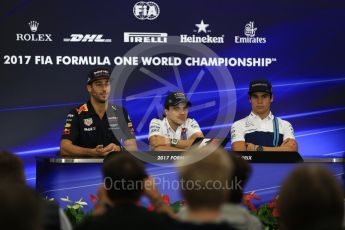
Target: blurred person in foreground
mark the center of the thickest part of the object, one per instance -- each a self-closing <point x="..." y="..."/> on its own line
<point x="234" y="212"/>
<point x="311" y="199"/>
<point x="204" y="188"/>
<point x="125" y="182"/>
<point x="51" y="217"/>
<point x="20" y="209"/>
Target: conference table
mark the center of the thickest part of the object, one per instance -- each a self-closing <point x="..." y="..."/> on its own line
<point x="61" y="177"/>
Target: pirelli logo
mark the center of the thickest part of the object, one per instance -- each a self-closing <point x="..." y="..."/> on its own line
<point x="136" y="37"/>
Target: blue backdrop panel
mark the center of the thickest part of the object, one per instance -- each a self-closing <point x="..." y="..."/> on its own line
<point x="305" y="39"/>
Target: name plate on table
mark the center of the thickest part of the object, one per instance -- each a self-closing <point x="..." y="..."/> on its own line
<point x="270" y="157"/>
<point x="158" y="157"/>
<point x="255" y="157"/>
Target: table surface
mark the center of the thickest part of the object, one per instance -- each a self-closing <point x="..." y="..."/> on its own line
<point x="67" y="160"/>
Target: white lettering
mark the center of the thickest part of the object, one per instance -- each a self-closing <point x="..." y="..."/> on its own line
<point x="196" y="39"/>
<point x="43" y="60"/>
<point x="161" y="61"/>
<point x="34" y="37"/>
<point x="82" y="60"/>
<point x="126" y="60"/>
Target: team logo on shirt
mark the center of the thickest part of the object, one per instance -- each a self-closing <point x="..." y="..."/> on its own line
<point x="90" y="129"/>
<point x="291" y="129"/>
<point x="114" y="126"/>
<point x="184" y="134"/>
<point x="113" y="118"/>
<point x="249" y="123"/>
<point x="82" y="108"/>
<point x="88" y="121"/>
<point x="66" y="131"/>
<point x="233" y="133"/>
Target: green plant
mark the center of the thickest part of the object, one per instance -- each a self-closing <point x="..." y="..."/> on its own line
<point x="175" y="207"/>
<point x="267" y="213"/>
<point x="264" y="213"/>
<point x="75" y="211"/>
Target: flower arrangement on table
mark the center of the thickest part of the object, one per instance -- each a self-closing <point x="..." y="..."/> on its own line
<point x="76" y="214"/>
<point x="268" y="213"/>
<point x="173" y="206"/>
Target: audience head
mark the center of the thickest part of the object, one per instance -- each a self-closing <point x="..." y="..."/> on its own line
<point x="20" y="207"/>
<point x="311" y="198"/>
<point x="11" y="168"/>
<point x="204" y="183"/>
<point x="124" y="177"/>
<point x="242" y="172"/>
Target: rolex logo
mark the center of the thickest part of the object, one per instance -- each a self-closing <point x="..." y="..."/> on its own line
<point x="33" y="37"/>
<point x="33" y="26"/>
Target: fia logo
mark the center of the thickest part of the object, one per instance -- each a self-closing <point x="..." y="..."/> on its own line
<point x="249" y="29"/>
<point x="146" y="10"/>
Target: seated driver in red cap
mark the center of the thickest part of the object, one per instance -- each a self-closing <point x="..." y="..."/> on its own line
<point x="175" y="132"/>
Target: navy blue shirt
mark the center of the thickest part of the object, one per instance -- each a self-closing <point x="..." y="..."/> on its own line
<point x="85" y="128"/>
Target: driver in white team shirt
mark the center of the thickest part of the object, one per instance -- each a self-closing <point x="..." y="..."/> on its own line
<point x="261" y="130"/>
<point x="175" y="132"/>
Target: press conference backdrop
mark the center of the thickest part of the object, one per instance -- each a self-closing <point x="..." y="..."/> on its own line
<point x="208" y="49"/>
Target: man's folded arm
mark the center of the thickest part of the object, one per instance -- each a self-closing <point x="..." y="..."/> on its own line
<point x="238" y="146"/>
<point x="185" y="144"/>
<point x="161" y="143"/>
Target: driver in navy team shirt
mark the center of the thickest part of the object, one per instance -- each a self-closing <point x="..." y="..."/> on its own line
<point x="97" y="127"/>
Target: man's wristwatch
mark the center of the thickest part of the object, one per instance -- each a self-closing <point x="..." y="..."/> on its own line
<point x="259" y="148"/>
<point x="173" y="142"/>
